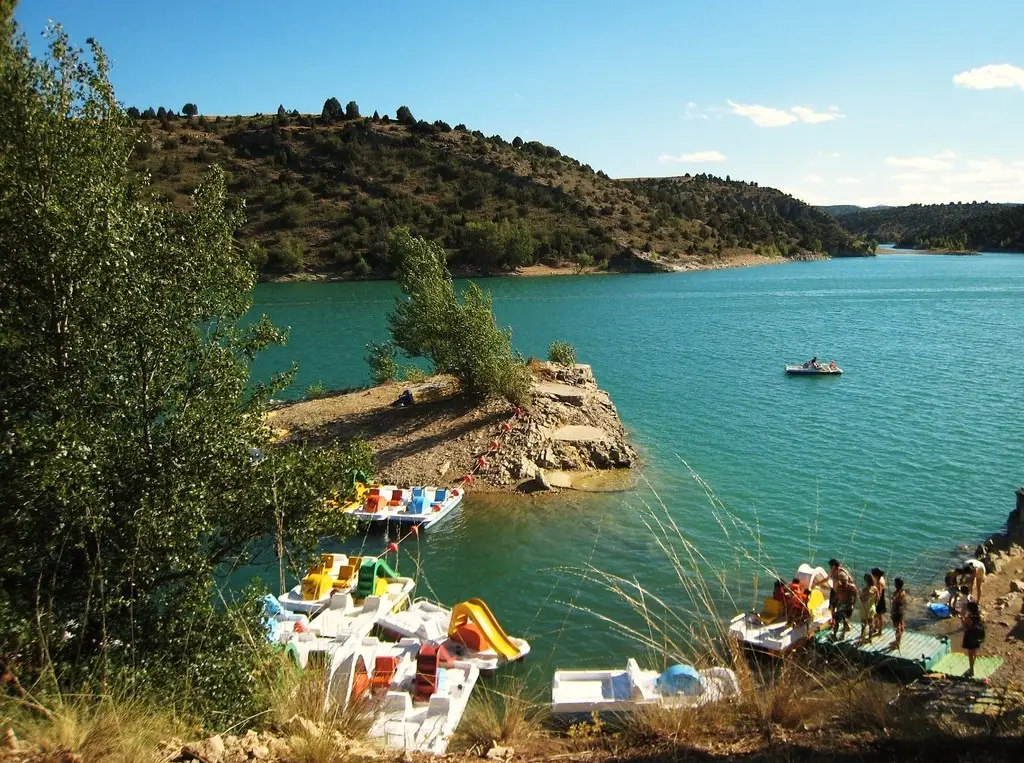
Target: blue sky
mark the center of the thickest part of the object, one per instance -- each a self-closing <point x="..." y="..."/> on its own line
<point x="867" y="102"/>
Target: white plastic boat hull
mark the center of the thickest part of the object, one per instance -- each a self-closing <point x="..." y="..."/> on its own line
<point x="823" y="371"/>
<point x="342" y="625"/>
<point x="577" y="693"/>
<point x="428" y="621"/>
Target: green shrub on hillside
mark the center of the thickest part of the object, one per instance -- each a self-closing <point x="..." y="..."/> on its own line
<point x="562" y="353"/>
<point x="380" y="357"/>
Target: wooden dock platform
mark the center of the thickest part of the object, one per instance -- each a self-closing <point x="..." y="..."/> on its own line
<point x="918" y="654"/>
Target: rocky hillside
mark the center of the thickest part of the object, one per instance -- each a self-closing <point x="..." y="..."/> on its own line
<point x="322" y="193"/>
<point x="975" y="226"/>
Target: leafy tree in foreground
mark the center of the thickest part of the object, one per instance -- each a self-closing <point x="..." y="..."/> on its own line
<point x="133" y="456"/>
<point x="189" y="110"/>
<point x="459" y="338"/>
<point x="352" y="110"/>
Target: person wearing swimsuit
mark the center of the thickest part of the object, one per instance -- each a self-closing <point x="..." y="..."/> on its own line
<point x="880" y="609"/>
<point x="899" y="601"/>
<point x="868" y="601"/>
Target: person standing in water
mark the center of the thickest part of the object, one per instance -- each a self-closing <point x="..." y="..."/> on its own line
<point x="899" y="603"/>
<point x="880" y="609"/>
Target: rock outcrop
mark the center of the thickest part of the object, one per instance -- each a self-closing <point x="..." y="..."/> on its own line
<point x="572" y="426"/>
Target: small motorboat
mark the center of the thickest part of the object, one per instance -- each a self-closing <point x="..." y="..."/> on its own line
<point x="771" y="632"/>
<point x="417" y="693"/>
<point x="814" y="368"/>
<point x="469" y="631"/>
<point x="581" y="693"/>
<point x="335" y="573"/>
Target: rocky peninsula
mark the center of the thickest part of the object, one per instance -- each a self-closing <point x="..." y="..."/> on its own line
<point x="568" y="436"/>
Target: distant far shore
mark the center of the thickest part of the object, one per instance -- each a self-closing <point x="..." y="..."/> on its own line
<point x="953" y="252"/>
<point x="739" y="259"/>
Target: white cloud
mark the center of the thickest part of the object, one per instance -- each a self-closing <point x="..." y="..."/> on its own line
<point x="812" y="117"/>
<point x="768" y="116"/>
<point x="940" y="161"/>
<point x="814" y="179"/>
<point x="847" y="180"/>
<point x="696" y="156"/>
<point x="991" y="77"/>
<point x="693" y="111"/>
<point x="762" y="116"/>
<point x="991" y="172"/>
<point x="909" y="176"/>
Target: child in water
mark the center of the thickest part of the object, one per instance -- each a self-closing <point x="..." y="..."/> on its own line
<point x="899" y="602"/>
<point x="868" y="602"/>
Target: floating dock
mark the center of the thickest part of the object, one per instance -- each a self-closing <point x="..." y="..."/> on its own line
<point x="918" y="654"/>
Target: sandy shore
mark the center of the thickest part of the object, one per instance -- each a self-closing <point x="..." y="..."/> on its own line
<point x="740" y="259"/>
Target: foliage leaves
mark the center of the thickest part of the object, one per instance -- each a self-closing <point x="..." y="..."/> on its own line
<point x="134" y="463"/>
<point x="459" y="337"/>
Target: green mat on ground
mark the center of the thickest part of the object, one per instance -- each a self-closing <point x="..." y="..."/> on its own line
<point x="955" y="664"/>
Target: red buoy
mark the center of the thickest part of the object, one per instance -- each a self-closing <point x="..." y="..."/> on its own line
<point x="506" y="427"/>
<point x="416" y="530"/>
<point x="495" y="444"/>
<point x="468" y="478"/>
<point x="392" y="547"/>
<point x="482" y="461"/>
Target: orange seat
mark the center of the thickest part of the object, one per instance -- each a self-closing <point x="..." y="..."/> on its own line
<point x="383" y="673"/>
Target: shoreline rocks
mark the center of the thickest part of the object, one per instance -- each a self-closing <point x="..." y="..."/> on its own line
<point x="571" y="427"/>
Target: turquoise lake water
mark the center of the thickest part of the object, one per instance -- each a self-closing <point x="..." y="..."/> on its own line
<point x="915" y="450"/>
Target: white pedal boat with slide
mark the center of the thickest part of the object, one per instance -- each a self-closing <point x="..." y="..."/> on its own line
<point x="416" y="693"/>
<point x="768" y="631"/>
<point x="580" y="693"/>
<point x="470" y="632"/>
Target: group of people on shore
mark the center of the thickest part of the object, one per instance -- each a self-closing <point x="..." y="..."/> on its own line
<point x="845" y="595"/>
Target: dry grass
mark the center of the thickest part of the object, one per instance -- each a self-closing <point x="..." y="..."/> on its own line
<point x="97" y="729"/>
<point x="505" y="714"/>
<point x="318" y="731"/>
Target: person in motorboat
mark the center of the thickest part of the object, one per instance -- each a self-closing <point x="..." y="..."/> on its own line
<point x="832" y="366"/>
